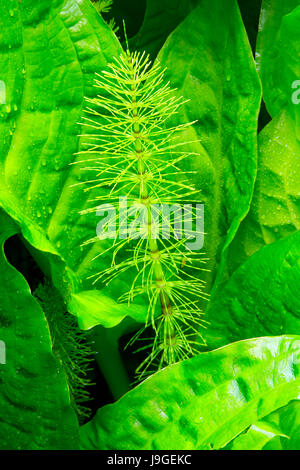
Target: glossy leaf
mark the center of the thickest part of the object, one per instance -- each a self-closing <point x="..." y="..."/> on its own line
<point x="261" y="298"/>
<point x="201" y="403"/>
<point x="275" y="208"/>
<point x="35" y="409"/>
<point x="278" y="48"/>
<point x="209" y="60"/>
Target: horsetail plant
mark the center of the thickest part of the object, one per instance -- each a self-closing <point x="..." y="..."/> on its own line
<point x="70" y="345"/>
<point x="134" y="152"/>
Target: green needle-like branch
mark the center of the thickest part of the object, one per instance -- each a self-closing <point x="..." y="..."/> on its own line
<point x="132" y="151"/>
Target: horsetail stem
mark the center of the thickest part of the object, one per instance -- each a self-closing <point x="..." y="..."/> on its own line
<point x="134" y="152"/>
<point x="159" y="276"/>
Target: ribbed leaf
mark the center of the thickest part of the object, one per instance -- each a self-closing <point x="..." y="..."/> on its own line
<point x="46" y="81"/>
<point x="204" y="402"/>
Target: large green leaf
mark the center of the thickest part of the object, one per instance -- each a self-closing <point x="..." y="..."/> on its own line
<point x="50" y="52"/>
<point x="204" y="402"/>
<point x="277" y="53"/>
<point x="275" y="209"/>
<point x="163" y="16"/>
<point x="261" y="297"/>
<point x="209" y="60"/>
<point x="35" y="409"/>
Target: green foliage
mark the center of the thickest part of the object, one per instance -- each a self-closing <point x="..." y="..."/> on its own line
<point x="261" y="298"/>
<point x="70" y="345"/>
<point x="35" y="406"/>
<point x="215" y="72"/>
<point x="103" y="6"/>
<point x="275" y="207"/>
<point x="277" y="51"/>
<point x="39" y="134"/>
<point x="244" y="395"/>
<point x="135" y="154"/>
<point x="201" y="403"/>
